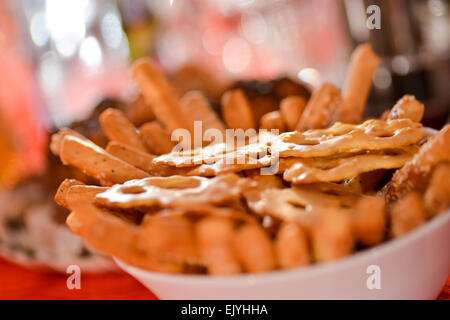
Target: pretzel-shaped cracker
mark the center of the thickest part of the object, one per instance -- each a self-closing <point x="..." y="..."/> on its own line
<point x="193" y="157"/>
<point x="374" y="127"/>
<point x="216" y="152"/>
<point x="57" y="139"/>
<point x="143" y="160"/>
<point x="344" y="168"/>
<point x="96" y="162"/>
<point x="321" y="108"/>
<point x="254" y="248"/>
<point x="284" y="164"/>
<point x="291" y="109"/>
<point x="261" y="184"/>
<point x="61" y="193"/>
<point x="358" y="83"/>
<point x="291" y="246"/>
<point x="348" y="187"/>
<point x="332" y="236"/>
<point x="160" y="95"/>
<point x="414" y="174"/>
<point x="196" y="104"/>
<point x="215" y="245"/>
<point x="174" y="191"/>
<point x="295" y="204"/>
<point x="207" y="210"/>
<point x="369" y="220"/>
<point x="82" y="194"/>
<point x="407" y="214"/>
<point x="272" y="121"/>
<point x="124" y="240"/>
<point x="396" y="133"/>
<point x="437" y="196"/>
<point x="137" y="158"/>
<point x="139" y="112"/>
<point x="231" y="164"/>
<point x="156" y="138"/>
<point x="118" y="128"/>
<point x="236" y="111"/>
<point x="282" y="204"/>
<point x="407" y="107"/>
<point x="170" y="238"/>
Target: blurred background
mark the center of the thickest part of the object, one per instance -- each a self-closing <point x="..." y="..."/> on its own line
<point x="59" y="59"/>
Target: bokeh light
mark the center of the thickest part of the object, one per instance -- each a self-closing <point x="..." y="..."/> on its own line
<point x="90" y="52"/>
<point x="236" y="55"/>
<point x="38" y="29"/>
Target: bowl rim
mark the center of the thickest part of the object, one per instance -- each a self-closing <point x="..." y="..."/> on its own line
<point x="305" y="272"/>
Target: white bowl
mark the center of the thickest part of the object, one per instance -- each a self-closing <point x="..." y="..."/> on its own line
<point x="414" y="266"/>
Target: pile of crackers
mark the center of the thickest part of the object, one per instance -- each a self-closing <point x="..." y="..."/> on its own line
<point x="315" y="185"/>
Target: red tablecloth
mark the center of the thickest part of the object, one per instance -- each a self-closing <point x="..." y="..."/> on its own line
<point x="17" y="282"/>
<point x="20" y="283"/>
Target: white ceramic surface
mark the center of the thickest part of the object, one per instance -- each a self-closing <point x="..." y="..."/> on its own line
<point x="414" y="266"/>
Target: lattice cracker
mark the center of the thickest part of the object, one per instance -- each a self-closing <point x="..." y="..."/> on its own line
<point x="231" y="164"/>
<point x="297" y="204"/>
<point x="215" y="152"/>
<point x="173" y="191"/>
<point x="371" y="135"/>
<point x="344" y="168"/>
